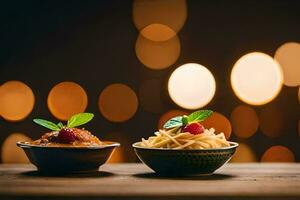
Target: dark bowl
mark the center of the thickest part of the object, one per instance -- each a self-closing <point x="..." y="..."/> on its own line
<point x="183" y="162"/>
<point x="68" y="160"/>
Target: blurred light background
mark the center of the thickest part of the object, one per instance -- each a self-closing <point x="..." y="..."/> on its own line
<point x="135" y="64"/>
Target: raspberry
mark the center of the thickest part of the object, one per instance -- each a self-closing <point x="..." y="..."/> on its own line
<point x="66" y="136"/>
<point x="194" y="128"/>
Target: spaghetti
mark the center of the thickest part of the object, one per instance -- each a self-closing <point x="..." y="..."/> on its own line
<point x="176" y="139"/>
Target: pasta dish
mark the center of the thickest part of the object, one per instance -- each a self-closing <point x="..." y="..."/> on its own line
<point x="186" y="135"/>
<point x="174" y="139"/>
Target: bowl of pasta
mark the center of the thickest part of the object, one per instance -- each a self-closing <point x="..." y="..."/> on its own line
<point x="185" y="147"/>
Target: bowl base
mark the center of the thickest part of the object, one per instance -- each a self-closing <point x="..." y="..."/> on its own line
<point x="47" y="171"/>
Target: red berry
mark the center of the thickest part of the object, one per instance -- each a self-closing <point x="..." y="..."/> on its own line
<point x="66" y="136"/>
<point x="194" y="128"/>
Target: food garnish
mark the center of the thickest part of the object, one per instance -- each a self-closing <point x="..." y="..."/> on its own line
<point x="193" y="128"/>
<point x="186" y="132"/>
<point x="76" y="120"/>
<point x="68" y="134"/>
<point x="180" y="121"/>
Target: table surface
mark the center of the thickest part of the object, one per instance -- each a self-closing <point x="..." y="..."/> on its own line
<point x="136" y="181"/>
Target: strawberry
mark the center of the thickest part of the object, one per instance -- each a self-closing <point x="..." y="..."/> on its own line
<point x="66" y="135"/>
<point x="194" y="128"/>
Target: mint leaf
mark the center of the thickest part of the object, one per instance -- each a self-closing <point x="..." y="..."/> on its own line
<point x="185" y="120"/>
<point x="199" y="115"/>
<point x="173" y="122"/>
<point x="60" y="125"/>
<point x="79" y="119"/>
<point x="47" y="124"/>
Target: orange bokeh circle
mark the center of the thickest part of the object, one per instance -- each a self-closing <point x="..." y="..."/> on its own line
<point x="288" y="57"/>
<point x="244" y="121"/>
<point x="219" y="122"/>
<point x="118" y="102"/>
<point x="66" y="99"/>
<point x="271" y="121"/>
<point x="243" y="154"/>
<point x="10" y="152"/>
<point x="278" y="154"/>
<point x="157" y="55"/>
<point x="16" y="100"/>
<point x="172" y="13"/>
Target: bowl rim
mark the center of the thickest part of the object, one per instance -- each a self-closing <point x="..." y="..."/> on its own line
<point x="23" y="144"/>
<point x="233" y="145"/>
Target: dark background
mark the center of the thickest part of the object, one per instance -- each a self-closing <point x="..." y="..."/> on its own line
<point x="92" y="43"/>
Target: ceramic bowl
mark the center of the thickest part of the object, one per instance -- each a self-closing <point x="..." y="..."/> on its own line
<point x="184" y="162"/>
<point x="68" y="160"/>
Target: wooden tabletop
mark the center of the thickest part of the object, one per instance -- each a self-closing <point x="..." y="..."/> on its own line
<point x="136" y="181"/>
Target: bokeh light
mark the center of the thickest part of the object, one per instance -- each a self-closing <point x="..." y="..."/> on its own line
<point x="288" y="57"/>
<point x="157" y="54"/>
<point x="118" y="102"/>
<point x="172" y="13"/>
<point x="244" y="153"/>
<point x="119" y="153"/>
<point x="271" y="121"/>
<point x="117" y="156"/>
<point x="219" y="122"/>
<point x="244" y="121"/>
<point x="10" y="152"/>
<point x="191" y="86"/>
<point x="66" y="99"/>
<point x="16" y="100"/>
<point x="150" y="96"/>
<point x="170" y="114"/>
<point x="158" y="32"/>
<point x="124" y="153"/>
<point x="278" y="154"/>
<point x="256" y="78"/>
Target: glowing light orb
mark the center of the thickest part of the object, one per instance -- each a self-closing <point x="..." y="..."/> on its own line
<point x="244" y="153"/>
<point x="244" y="121"/>
<point x="10" y="152"/>
<point x="256" y="78"/>
<point x="118" y="102"/>
<point x="66" y="99"/>
<point x="219" y="122"/>
<point x="158" y="32"/>
<point x="288" y="57"/>
<point x="124" y="153"/>
<point x="172" y="13"/>
<point x="272" y="121"/>
<point x="191" y="86"/>
<point x="157" y="55"/>
<point x="16" y="100"/>
<point x="278" y="154"/>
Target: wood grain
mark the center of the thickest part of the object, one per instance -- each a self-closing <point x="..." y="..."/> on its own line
<point x="136" y="181"/>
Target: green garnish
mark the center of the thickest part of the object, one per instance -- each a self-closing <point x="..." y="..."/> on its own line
<point x="47" y="124"/>
<point x="196" y="116"/>
<point x="185" y="120"/>
<point x="60" y="125"/>
<point x="74" y="121"/>
<point x="199" y="115"/>
<point x="174" y="122"/>
<point x="79" y="119"/>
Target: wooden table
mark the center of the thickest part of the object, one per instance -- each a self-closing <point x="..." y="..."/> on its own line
<point x="136" y="181"/>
